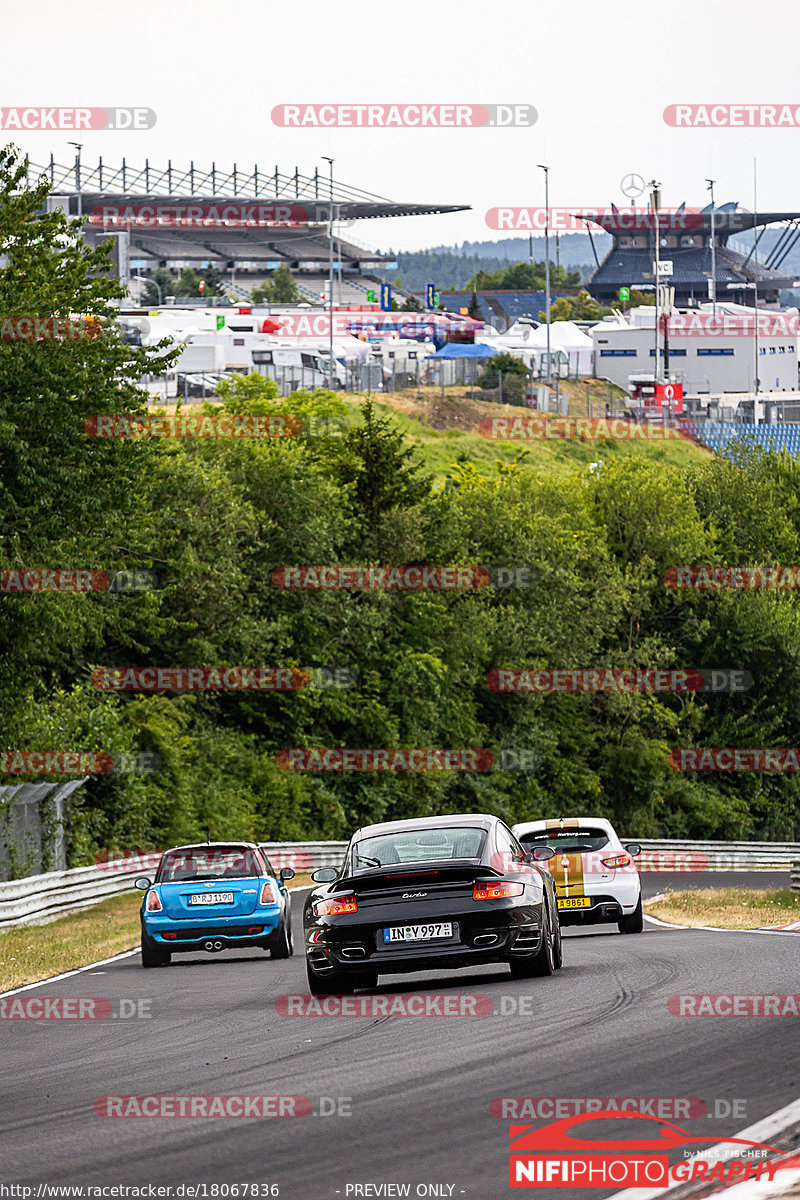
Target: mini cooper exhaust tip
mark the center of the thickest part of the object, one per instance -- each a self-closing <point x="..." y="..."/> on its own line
<point x="212" y="945"/>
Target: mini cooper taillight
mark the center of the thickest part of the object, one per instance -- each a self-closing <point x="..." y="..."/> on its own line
<point x="619" y="860"/>
<point x="486" y="889"/>
<point x="153" y="903"/>
<point x="268" y="893"/>
<point x="335" y="906"/>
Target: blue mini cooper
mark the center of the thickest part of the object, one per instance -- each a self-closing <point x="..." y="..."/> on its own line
<point x="215" y="896"/>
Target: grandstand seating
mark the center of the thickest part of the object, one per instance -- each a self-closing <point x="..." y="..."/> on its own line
<point x="496" y="307"/>
<point x="716" y="435"/>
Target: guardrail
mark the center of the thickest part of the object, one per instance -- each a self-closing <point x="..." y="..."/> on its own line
<point x="661" y="854"/>
<point x="43" y="898"/>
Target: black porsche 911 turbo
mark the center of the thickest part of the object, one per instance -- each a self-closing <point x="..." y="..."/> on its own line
<point x="429" y="894"/>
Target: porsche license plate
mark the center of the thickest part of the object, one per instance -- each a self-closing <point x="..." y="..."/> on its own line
<point x="418" y="933"/>
<point x="212" y="898"/>
<point x="575" y="902"/>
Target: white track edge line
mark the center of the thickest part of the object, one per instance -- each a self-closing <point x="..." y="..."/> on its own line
<point x="767" y="1127"/>
<point x="26" y="987"/>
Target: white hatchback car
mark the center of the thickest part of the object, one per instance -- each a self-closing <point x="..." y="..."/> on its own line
<point x="595" y="875"/>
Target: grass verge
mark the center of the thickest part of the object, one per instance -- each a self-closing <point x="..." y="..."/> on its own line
<point x="728" y="908"/>
<point x="32" y="952"/>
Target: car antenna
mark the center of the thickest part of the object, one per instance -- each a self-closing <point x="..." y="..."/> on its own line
<point x="208" y="836"/>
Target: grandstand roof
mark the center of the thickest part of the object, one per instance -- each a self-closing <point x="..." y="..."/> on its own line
<point x="127" y="185"/>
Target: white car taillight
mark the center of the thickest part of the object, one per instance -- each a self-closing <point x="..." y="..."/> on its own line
<point x="153" y="902"/>
<point x="268" y="895"/>
<point x="617" y="862"/>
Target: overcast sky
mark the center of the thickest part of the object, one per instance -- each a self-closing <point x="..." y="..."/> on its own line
<point x="599" y="76"/>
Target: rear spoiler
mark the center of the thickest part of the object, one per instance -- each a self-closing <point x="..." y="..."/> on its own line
<point x="393" y="874"/>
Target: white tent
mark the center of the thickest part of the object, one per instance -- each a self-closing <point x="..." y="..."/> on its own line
<point x="566" y="336"/>
<point x="525" y="335"/>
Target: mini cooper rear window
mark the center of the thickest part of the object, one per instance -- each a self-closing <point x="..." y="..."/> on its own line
<point x="418" y="845"/>
<point x="217" y="862"/>
<point x="572" y="840"/>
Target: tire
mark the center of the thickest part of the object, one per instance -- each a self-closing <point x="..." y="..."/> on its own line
<point x="334" y="984"/>
<point x="284" y="946"/>
<point x="153" y="955"/>
<point x="543" y="962"/>
<point x="558" y="946"/>
<point x="635" y="922"/>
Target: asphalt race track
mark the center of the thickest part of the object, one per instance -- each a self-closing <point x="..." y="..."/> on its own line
<point x="419" y="1088"/>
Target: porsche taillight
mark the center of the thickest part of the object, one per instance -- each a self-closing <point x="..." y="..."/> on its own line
<point x="335" y="906"/>
<point x="153" y="902"/>
<point x="619" y="860"/>
<point x="267" y="893"/>
<point x="486" y="889"/>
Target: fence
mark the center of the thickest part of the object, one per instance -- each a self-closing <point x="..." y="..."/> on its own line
<point x="42" y="898"/>
<point x="32" y="825"/>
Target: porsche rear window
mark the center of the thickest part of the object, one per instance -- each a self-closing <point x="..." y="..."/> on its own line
<point x="418" y="845"/>
<point x="582" y="840"/>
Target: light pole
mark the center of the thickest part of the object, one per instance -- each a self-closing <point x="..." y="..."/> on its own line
<point x="655" y="204"/>
<point x="155" y="285"/>
<point x="330" y="270"/>
<point x="78" y="146"/>
<point x="711" y="183"/>
<point x="546" y="170"/>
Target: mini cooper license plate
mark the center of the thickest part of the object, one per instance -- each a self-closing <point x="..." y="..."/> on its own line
<point x="575" y="902"/>
<point x="212" y="898"/>
<point x="418" y="933"/>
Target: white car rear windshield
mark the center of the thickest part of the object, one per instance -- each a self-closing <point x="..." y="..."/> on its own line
<point x="573" y="841"/>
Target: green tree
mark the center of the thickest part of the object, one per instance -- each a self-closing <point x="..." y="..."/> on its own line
<point x="262" y="293"/>
<point x="379" y="467"/>
<point x="284" y="288"/>
<point x="582" y="307"/>
<point x="506" y="363"/>
<point x="166" y="282"/>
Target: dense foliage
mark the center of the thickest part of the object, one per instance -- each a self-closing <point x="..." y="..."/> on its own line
<point x="215" y="518"/>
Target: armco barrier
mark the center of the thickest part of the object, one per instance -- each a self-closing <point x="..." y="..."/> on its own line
<point x="659" y="854"/>
<point x="41" y="898"/>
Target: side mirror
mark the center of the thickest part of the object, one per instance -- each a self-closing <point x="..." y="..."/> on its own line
<point x="286" y="873"/>
<point x="143" y="883"/>
<point x="325" y="875"/>
<point x="634" y="849"/>
<point x="542" y="853"/>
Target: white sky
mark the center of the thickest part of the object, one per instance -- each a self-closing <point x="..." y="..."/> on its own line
<point x="213" y="72"/>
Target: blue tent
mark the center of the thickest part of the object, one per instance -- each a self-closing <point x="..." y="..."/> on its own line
<point x="464" y="350"/>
